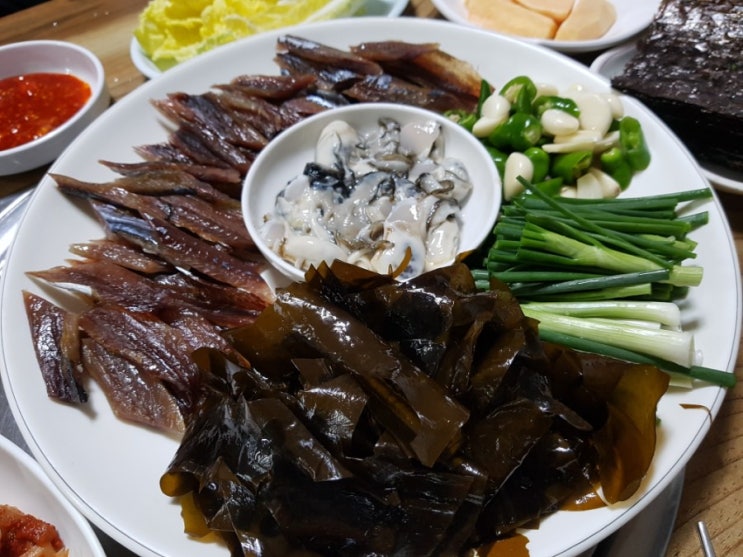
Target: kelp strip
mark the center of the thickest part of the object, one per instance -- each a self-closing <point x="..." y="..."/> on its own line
<point x="416" y="418"/>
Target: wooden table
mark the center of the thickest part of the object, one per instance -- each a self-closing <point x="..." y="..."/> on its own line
<point x="713" y="484"/>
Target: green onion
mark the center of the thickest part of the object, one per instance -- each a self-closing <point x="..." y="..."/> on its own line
<point x="714" y="376"/>
<point x="663" y="313"/>
<point x="673" y="346"/>
<point x="602" y="275"/>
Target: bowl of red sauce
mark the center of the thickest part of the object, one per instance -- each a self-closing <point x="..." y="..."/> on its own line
<point x="49" y="92"/>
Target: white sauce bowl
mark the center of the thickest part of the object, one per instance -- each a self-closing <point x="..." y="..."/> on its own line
<point x="52" y="57"/>
<point x="286" y="155"/>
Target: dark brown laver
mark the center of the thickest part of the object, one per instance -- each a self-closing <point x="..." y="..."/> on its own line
<point x="689" y="70"/>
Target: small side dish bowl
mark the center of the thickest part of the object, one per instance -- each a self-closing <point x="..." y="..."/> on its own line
<point x="632" y="17"/>
<point x="52" y="57"/>
<point x="27" y="488"/>
<point x="284" y="159"/>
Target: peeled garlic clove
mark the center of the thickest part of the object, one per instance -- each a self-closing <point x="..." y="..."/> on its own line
<point x="595" y="112"/>
<point x="484" y="126"/>
<point x="615" y="104"/>
<point x="610" y="140"/>
<point x="494" y="111"/>
<point x="582" y="140"/>
<point x="609" y="186"/>
<point x="557" y="122"/>
<point x="546" y="89"/>
<point x="517" y="164"/>
<point x="588" y="187"/>
<point x="495" y="106"/>
<point x="568" y="191"/>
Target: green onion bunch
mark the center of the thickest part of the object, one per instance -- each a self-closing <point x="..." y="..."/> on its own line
<point x="603" y="275"/>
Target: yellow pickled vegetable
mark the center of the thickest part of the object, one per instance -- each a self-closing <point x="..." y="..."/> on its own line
<point x="589" y="19"/>
<point x="172" y="31"/>
<point x="509" y="17"/>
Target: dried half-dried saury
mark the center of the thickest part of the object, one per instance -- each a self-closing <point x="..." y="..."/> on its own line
<point x="419" y="418"/>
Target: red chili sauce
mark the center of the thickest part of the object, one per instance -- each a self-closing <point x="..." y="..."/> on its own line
<point x="34" y="104"/>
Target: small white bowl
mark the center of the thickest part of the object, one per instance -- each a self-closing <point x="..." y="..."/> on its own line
<point x="26" y="487"/>
<point x="286" y="155"/>
<point x="633" y="16"/>
<point x="52" y="57"/>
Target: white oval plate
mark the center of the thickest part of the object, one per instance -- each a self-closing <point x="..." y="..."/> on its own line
<point x="26" y="487"/>
<point x="111" y="470"/>
<point x="371" y="8"/>
<point x="632" y="17"/>
<point x="612" y="62"/>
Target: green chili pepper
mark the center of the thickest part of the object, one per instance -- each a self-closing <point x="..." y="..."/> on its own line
<point x="570" y="166"/>
<point x="518" y="133"/>
<point x="520" y="92"/>
<point x="551" y="186"/>
<point x="540" y="160"/>
<point x="499" y="158"/>
<point x="615" y="164"/>
<point x="462" y="117"/>
<point x="485" y="91"/>
<point x="632" y="141"/>
<point x="500" y="137"/>
<point x="546" y="102"/>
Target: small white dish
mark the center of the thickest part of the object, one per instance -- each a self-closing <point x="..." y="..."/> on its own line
<point x="612" y="63"/>
<point x="26" y="487"/>
<point x="633" y="16"/>
<point x="286" y="156"/>
<point x="52" y="57"/>
<point x="369" y="8"/>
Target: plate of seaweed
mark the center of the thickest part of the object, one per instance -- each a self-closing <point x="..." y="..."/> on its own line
<point x="612" y="63"/>
<point x="114" y="471"/>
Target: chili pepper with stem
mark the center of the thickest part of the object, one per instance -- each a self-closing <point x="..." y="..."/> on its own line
<point x="547" y="102"/>
<point x="485" y="91"/>
<point x="520" y="92"/>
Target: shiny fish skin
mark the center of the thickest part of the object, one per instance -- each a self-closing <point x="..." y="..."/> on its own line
<point x="274" y="87"/>
<point x="50" y="328"/>
<point x="325" y="55"/>
<point x="134" y="396"/>
<point x="150" y="344"/>
<point x="156" y="182"/>
<point x="423" y="64"/>
<point x="387" y="88"/>
<point x="202" y="173"/>
<point x="112" y="284"/>
<point x="121" y="254"/>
